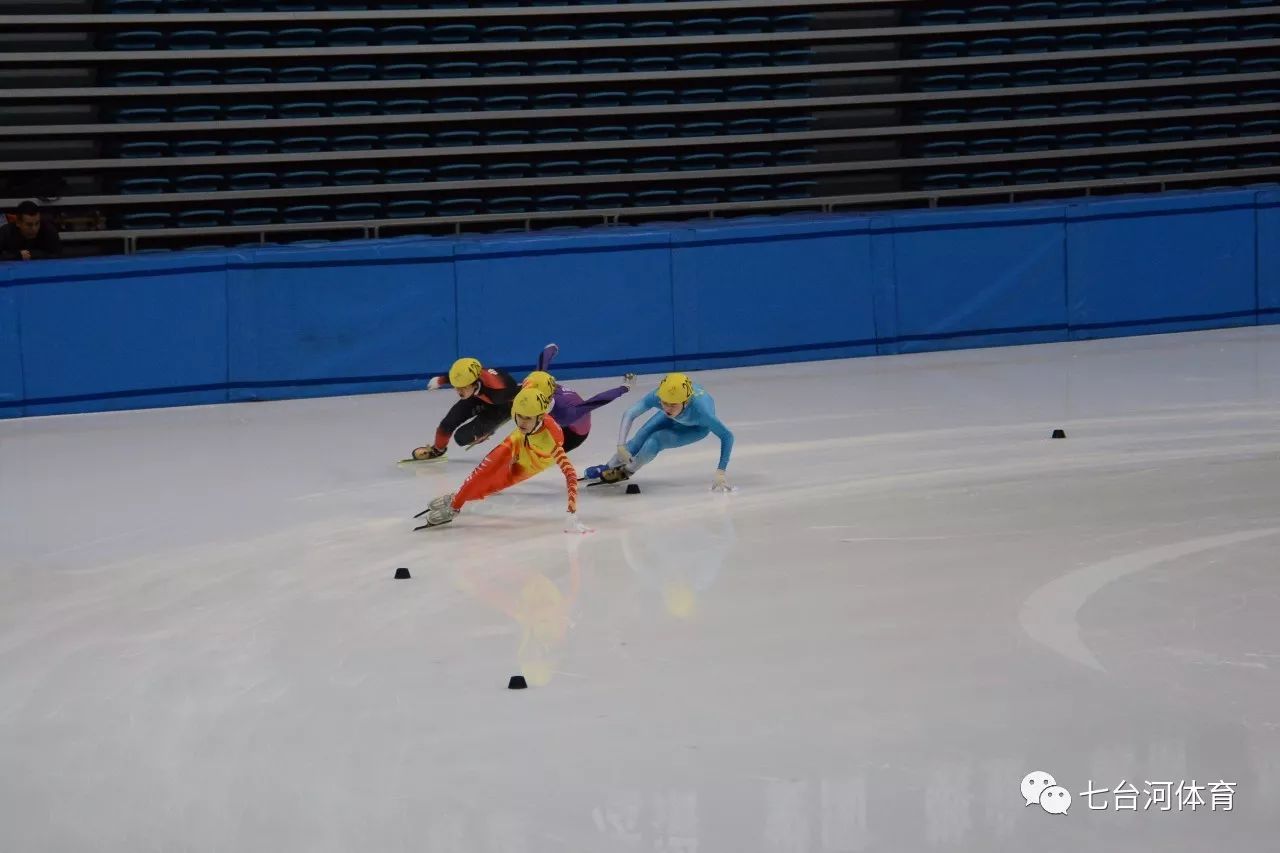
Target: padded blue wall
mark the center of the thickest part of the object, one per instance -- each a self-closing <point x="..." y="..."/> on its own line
<point x="383" y="315"/>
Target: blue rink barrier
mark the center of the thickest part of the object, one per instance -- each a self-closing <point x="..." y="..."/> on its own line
<point x="343" y="318"/>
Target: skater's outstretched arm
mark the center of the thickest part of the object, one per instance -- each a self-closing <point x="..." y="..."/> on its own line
<point x="644" y="404"/>
<point x="548" y="355"/>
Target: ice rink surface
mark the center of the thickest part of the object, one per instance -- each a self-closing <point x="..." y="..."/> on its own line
<point x="914" y="599"/>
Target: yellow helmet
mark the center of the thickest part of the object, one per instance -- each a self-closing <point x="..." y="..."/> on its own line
<point x="542" y="382"/>
<point x="465" y="371"/>
<point x="675" y="389"/>
<point x="530" y="403"/>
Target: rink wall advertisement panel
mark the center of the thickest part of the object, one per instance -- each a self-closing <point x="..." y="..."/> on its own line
<point x="1268" y="242"/>
<point x="604" y="297"/>
<point x="11" y="393"/>
<point x="112" y="333"/>
<point x="978" y="278"/>
<point x="336" y="320"/>
<point x="1164" y="264"/>
<point x="209" y="327"/>
<point x="772" y="292"/>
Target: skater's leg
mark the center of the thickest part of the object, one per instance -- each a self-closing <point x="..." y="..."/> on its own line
<point x="483" y="425"/>
<point x="657" y="422"/>
<point x="666" y="437"/>
<point x="573" y="439"/>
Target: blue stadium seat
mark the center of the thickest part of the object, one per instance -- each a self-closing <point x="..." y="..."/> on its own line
<point x="1081" y="108"/>
<point x="197" y="112"/>
<point x="1216" y="130"/>
<point x="145" y="220"/>
<point x="803" y="89"/>
<point x="504" y="103"/>
<point x="750" y="159"/>
<point x="654" y="163"/>
<point x="254" y="215"/>
<point x="1171" y="133"/>
<point x="794" y="156"/>
<point x="604" y="133"/>
<point x="458" y="172"/>
<point x="403" y="34"/>
<point x="747" y="125"/>
<point x="298" y="37"/>
<point x="747" y="24"/>
<point x="1128" y="136"/>
<point x="942" y="82"/>
<point x="990" y="80"/>
<point x="1125" y="38"/>
<point x="701" y="60"/>
<point x="455" y="207"/>
<point x="1172" y="102"/>
<point x="1079" y="41"/>
<point x="346" y="109"/>
<point x="1216" y="65"/>
<point x="304" y="178"/>
<point x="510" y="136"/>
<point x="1034" y="77"/>
<point x="558" y="201"/>
<point x="749" y="192"/>
<point x="303" y="144"/>
<point x="248" y="112"/>
<point x="509" y="204"/>
<point x="655" y="198"/>
<point x="348" y="37"/>
<point x="1035" y="111"/>
<point x="796" y="189"/>
<point x="1259" y="66"/>
<point x="354" y="142"/>
<point x="553" y="32"/>
<point x="356" y="177"/>
<point x="555" y="67"/>
<point x="1220" y="32"/>
<point x="990" y="145"/>
<point x="1128" y="169"/>
<point x="208" y="218"/>
<point x="1035" y="11"/>
<point x="792" y="23"/>
<point x="455" y="69"/>
<point x="556" y="134"/>
<point x="941" y="17"/>
<point x="304" y="109"/>
<point x="197" y="148"/>
<point x="1259" y="127"/>
<point x="555" y="101"/>
<point x="702" y="95"/>
<point x="747" y="92"/>
<point x="353" y="71"/>
<point x="944" y="181"/>
<point x="1126" y="105"/>
<point x="943" y="116"/>
<point x="457" y="138"/>
<point x="654" y="29"/>
<point x="1214" y="163"/>
<point x="251" y="146"/>
<point x="1217" y="99"/>
<point x="1125" y="71"/>
<point x="132" y="7"/>
<point x="1000" y="113"/>
<point x="144" y="186"/>
<point x="200" y="183"/>
<point x="990" y="46"/>
<point x="246" y="39"/>
<point x="700" y="26"/>
<point x="1171" y="68"/>
<point x="704" y="161"/>
<point x="602" y="30"/>
<point x="135" y="40"/>
<point x="141" y="115"/>
<point x="1036" y="142"/>
<point x="989" y="13"/>
<point x="702" y="195"/>
<point x="1258" y="159"/>
<point x="650" y="64"/>
<point x="136" y="78"/>
<point x="1088" y="9"/>
<point x="504" y="33"/>
<point x="1259" y="96"/>
<point x="407" y="140"/>
<point x="1080" y="74"/>
<point x="358" y="210"/>
<point x="242" y="181"/>
<point x="404" y="71"/>
<point x="603" y="99"/>
<point x="457" y="104"/>
<point x="453" y="33"/>
<point x="1033" y="44"/>
<point x="653" y="97"/>
<point x="942" y="49"/>
<point x="193" y="77"/>
<point x="702" y="128"/>
<point x="505" y="68"/>
<point x="1260" y="31"/>
<point x="307" y="213"/>
<point x="1171" y="35"/>
<point x="654" y="130"/>
<point x="247" y="75"/>
<point x="407" y="176"/>
<point x="1090" y="139"/>
<point x="1125" y="7"/>
<point x="1171" y="164"/>
<point x="747" y="59"/>
<point x="509" y="170"/>
<point x="793" y="124"/>
<point x="154" y="148"/>
<point x="605" y="166"/>
<point x="604" y="65"/>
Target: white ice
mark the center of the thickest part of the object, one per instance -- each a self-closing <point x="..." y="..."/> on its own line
<point x="915" y="598"/>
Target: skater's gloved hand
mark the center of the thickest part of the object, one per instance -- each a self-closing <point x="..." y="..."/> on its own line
<point x="427" y="453"/>
<point x="437" y="382"/>
<point x="628" y="379"/>
<point x="624" y="455"/>
<point x="721" y="484"/>
<point x="572" y="525"/>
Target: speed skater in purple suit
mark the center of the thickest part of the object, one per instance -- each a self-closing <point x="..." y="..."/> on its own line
<point x="568" y="409"/>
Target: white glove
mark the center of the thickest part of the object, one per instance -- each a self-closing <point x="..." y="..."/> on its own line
<point x="624" y="455"/>
<point x="437" y="382"/>
<point x="572" y="525"/>
<point x="628" y="379"/>
<point x="721" y="484"/>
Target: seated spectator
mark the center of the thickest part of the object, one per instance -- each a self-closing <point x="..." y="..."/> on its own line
<point x="29" y="237"/>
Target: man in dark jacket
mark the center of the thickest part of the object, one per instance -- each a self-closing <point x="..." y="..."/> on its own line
<point x="29" y="237"/>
